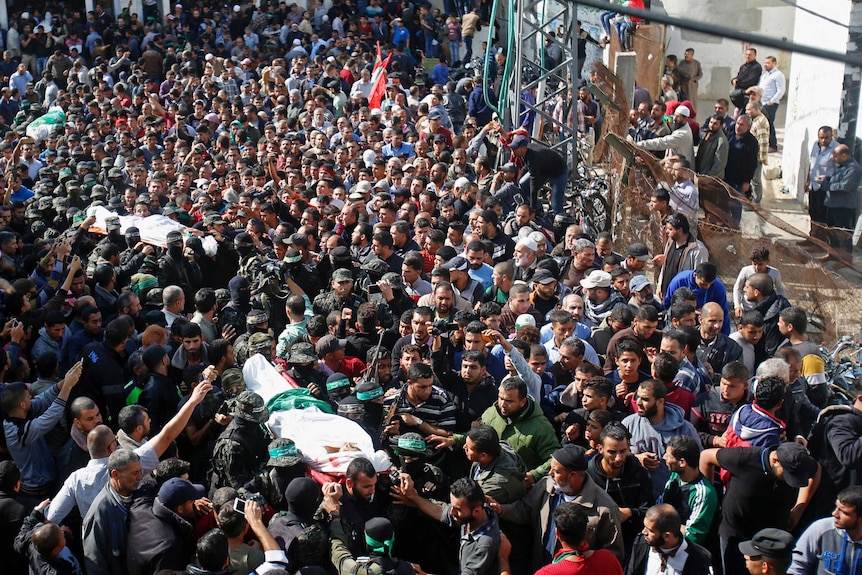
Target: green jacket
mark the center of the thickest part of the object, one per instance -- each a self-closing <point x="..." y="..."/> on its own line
<point x="529" y="433"/>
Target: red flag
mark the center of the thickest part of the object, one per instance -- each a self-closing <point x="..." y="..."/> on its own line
<point x="378" y="79"/>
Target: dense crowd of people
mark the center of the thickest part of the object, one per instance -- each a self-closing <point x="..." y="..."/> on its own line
<point x="550" y="401"/>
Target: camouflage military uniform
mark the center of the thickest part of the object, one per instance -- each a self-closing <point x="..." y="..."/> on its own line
<point x="328" y="302"/>
<point x="239" y="453"/>
<point x="233" y="317"/>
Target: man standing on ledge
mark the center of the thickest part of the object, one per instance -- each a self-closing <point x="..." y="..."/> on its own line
<point x="545" y="165"/>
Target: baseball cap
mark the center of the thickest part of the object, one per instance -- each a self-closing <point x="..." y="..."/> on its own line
<point x="543" y="276"/>
<point x="638" y="283"/>
<point x="519" y="141"/>
<point x="434" y="115"/>
<point x="214" y="219"/>
<point x="461" y="183"/>
<point x="799" y="466"/>
<point x="302" y="352"/>
<point x="456" y="264"/>
<point x="328" y="344"/>
<point x="775" y="543"/>
<point x="596" y="279"/>
<point x="524" y="319"/>
<point x="509" y="167"/>
<point x="299" y="239"/>
<point x="176" y="491"/>
<point x="639" y="251"/>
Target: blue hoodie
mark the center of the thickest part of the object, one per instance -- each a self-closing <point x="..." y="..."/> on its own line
<point x="647" y="437"/>
<point x="755" y="427"/>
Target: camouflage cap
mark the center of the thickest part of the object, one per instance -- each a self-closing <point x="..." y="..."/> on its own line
<point x="250" y="407"/>
<point x="259" y="341"/>
<point x="232" y="379"/>
<point x="375" y="266"/>
<point x="395" y="280"/>
<point x="301" y="352"/>
<point x="255" y="316"/>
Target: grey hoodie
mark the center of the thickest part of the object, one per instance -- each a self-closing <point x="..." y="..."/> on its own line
<point x="647" y="437"/>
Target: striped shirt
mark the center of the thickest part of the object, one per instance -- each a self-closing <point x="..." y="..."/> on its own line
<point x="438" y="410"/>
<point x="696" y="502"/>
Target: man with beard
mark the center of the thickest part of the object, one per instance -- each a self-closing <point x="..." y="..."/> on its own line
<point x="194" y="350"/>
<point x="711" y="157"/>
<point x="644" y="331"/>
<point x="742" y="154"/>
<point x="600" y="298"/>
<point x="518" y="420"/>
<point x="661" y="548"/>
<point x="363" y="499"/>
<point x="360" y="241"/>
<point x="682" y="251"/>
<point x="480" y="528"/>
<point x="823" y="547"/>
<point x="568" y="482"/>
<point x="680" y="141"/>
<point x="625" y="480"/>
<point x="544" y="295"/>
<point x="340" y="297"/>
<point x="652" y="426"/>
<point x="692" y="494"/>
<point x="178" y="267"/>
<point x="525" y="259"/>
<point x="581" y="263"/>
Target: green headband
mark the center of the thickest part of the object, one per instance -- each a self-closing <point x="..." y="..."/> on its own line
<point x="283" y="451"/>
<point x="370" y="394"/>
<point x="337" y="384"/>
<point x="411" y="444"/>
<point x="145" y="284"/>
<point x="380" y="546"/>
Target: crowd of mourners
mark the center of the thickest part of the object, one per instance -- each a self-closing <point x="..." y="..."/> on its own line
<point x="550" y="401"/>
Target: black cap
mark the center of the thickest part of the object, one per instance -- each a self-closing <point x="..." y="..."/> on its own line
<point x="799" y="466"/>
<point x="774" y="543"/>
<point x="572" y="457"/>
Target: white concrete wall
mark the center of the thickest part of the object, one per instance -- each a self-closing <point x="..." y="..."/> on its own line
<point x="721" y="58"/>
<point x="814" y="86"/>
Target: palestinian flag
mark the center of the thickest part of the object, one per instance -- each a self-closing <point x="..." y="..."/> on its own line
<point x="378" y="79"/>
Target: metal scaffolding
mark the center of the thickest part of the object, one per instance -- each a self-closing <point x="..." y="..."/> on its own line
<point x="536" y="24"/>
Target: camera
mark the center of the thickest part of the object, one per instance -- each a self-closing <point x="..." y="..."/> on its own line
<point x="442" y="326"/>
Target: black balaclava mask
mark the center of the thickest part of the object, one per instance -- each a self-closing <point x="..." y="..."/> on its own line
<point x="303" y="495"/>
<point x="240" y="296"/>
